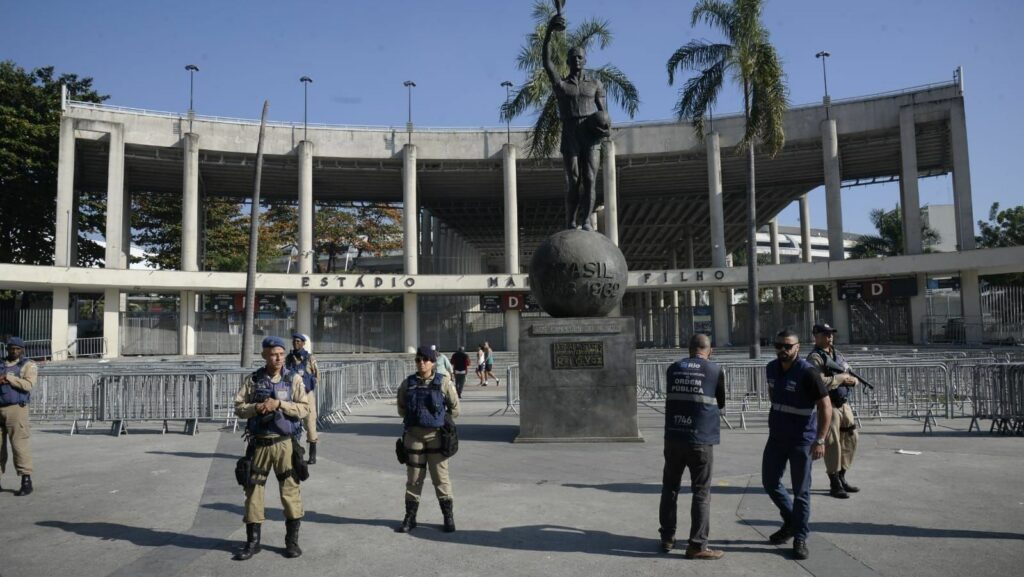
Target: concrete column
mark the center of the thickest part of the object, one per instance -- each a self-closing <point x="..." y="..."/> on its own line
<point x="112" y="321"/>
<point x="919" y="311"/>
<point x="910" y="199"/>
<point x="611" y="191"/>
<point x="720" y="316"/>
<point x="691" y="295"/>
<point x="805" y="253"/>
<point x="306" y="150"/>
<point x="512" y="210"/>
<point x="441" y="241"/>
<point x="674" y="324"/>
<point x="715" y="200"/>
<point x="187" y="323"/>
<point x="114" y="257"/>
<point x="970" y="301"/>
<point x="427" y="252"/>
<point x="962" y="199"/>
<point x="65" y="199"/>
<point x="304" y="313"/>
<point x="410" y="320"/>
<point x="833" y="199"/>
<point x="777" y="307"/>
<point x="190" y="204"/>
<point x="59" y="322"/>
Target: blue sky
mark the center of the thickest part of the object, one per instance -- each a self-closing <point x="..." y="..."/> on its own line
<point x="458" y="52"/>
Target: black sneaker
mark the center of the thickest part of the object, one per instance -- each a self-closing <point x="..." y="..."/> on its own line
<point x="783" y="535"/>
<point x="800" y="549"/>
<point x="667" y="544"/>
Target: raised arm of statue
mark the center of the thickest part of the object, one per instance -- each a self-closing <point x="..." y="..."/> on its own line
<point x="557" y="23"/>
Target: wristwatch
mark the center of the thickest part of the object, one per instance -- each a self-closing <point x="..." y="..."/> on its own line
<point x="820" y="441"/>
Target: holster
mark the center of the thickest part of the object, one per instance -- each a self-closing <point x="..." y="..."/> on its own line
<point x="300" y="470"/>
<point x="400" y="452"/>
<point x="243" y="467"/>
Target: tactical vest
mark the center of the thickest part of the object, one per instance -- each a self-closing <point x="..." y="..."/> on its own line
<point x="691" y="408"/>
<point x="424" y="402"/>
<point x="301" y="367"/>
<point x="276" y="423"/>
<point x="840" y="394"/>
<point x="10" y="395"/>
<point x="792" y="417"/>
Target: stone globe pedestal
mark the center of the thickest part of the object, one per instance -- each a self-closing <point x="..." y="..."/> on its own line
<point x="577" y="370"/>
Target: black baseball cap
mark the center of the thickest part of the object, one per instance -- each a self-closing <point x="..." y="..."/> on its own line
<point x="823" y="328"/>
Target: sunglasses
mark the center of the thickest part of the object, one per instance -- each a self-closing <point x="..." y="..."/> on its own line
<point x="787" y="346"/>
<point x="421" y="360"/>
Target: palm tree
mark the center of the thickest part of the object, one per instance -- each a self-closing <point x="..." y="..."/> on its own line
<point x="750" y="59"/>
<point x="889" y="240"/>
<point x="535" y="93"/>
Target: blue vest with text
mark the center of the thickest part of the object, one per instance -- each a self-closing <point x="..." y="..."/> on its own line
<point x="793" y="417"/>
<point x="691" y="409"/>
<point x="276" y="423"/>
<point x="298" y="362"/>
<point x="424" y="402"/>
<point x="10" y="395"/>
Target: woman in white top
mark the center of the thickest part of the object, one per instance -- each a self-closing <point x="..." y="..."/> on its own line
<point x="481" y="360"/>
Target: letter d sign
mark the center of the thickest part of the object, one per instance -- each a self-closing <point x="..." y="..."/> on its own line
<point x="513" y="302"/>
<point x="877" y="289"/>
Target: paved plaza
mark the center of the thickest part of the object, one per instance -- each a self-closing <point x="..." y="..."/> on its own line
<point x="155" y="505"/>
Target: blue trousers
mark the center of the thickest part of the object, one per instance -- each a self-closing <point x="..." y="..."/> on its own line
<point x="795" y="511"/>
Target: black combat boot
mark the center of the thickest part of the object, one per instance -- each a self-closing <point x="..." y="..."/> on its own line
<point x="783" y="535"/>
<point x="312" y="454"/>
<point x="836" y="487"/>
<point x="800" y="549"/>
<point x="409" y="523"/>
<point x="291" y="538"/>
<point x="846" y="486"/>
<point x="449" y="515"/>
<point x="252" y="542"/>
<point x="26" y="486"/>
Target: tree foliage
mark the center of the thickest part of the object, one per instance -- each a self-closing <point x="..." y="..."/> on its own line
<point x="889" y="240"/>
<point x="1004" y="227"/>
<point x="29" y="143"/>
<point x="535" y="94"/>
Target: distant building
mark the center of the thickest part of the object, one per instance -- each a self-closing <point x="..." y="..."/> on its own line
<point x="942" y="219"/>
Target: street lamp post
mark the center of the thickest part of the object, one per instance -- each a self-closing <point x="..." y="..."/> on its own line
<point x="408" y="124"/>
<point x="824" y="74"/>
<point x="305" y="80"/>
<point x="192" y="69"/>
<point x="508" y="117"/>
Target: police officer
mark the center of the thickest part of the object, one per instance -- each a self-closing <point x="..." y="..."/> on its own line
<point x="16" y="382"/>
<point x="797" y="425"/>
<point x="423" y="400"/>
<point x="696" y="394"/>
<point x="302" y="362"/>
<point x="841" y="442"/>
<point x="273" y="399"/>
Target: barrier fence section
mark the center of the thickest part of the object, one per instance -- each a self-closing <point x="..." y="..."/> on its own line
<point x="998" y="394"/>
<point x="121" y="395"/>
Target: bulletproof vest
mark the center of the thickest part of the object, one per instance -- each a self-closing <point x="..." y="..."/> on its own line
<point x="840" y="394"/>
<point x="10" y="395"/>
<point x="424" y="402"/>
<point x="276" y="423"/>
<point x="691" y="409"/>
<point x="301" y="366"/>
<point x="792" y="417"/>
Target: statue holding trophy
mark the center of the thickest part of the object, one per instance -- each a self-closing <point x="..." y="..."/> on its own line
<point x="583" y="111"/>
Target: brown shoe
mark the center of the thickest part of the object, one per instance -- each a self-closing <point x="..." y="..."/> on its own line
<point x="703" y="554"/>
<point x="667" y="545"/>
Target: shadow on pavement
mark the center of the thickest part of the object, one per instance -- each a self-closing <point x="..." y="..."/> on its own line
<point x="195" y="455"/>
<point x="859" y="528"/>
<point x="547" y="538"/>
<point x="142" y="536"/>
<point x="467" y="432"/>
<point x="655" y="488"/>
<point x="309" y="517"/>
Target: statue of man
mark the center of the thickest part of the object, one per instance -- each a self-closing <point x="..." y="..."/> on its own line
<point x="582" y="108"/>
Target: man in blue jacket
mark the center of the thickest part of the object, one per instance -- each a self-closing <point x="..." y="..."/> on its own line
<point x="797" y="425"/>
<point x="696" y="394"/>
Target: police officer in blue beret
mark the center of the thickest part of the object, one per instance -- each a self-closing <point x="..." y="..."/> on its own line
<point x="16" y="382"/>
<point x="302" y="361"/>
<point x="273" y="399"/>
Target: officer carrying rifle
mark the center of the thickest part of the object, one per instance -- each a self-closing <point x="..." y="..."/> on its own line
<point x="273" y="399"/>
<point x="838" y="378"/>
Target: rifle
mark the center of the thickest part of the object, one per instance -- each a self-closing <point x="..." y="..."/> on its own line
<point x="832" y="365"/>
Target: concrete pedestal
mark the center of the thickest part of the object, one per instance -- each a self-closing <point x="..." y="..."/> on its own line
<point x="577" y="380"/>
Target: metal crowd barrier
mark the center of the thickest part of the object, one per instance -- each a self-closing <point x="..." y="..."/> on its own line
<point x="165" y="394"/>
<point x="998" y="394"/>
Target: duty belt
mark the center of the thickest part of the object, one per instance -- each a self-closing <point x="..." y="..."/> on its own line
<point x="269" y="441"/>
<point x="849" y="429"/>
<point x="2" y="405"/>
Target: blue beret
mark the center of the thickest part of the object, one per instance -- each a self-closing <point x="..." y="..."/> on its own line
<point x="16" y="342"/>
<point x="271" y="342"/>
<point x="427" y="353"/>
<point x="299" y="336"/>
